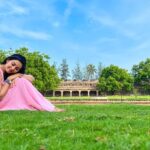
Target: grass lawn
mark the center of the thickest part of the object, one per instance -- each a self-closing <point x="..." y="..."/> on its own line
<point x="81" y="127"/>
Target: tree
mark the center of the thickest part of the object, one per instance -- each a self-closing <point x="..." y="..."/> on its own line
<point x="2" y="55"/>
<point x="99" y="70"/>
<point x="64" y="70"/>
<point x="141" y="74"/>
<point x="91" y="70"/>
<point x="77" y="74"/>
<point x="46" y="77"/>
<point x="115" y="80"/>
<point x="85" y="74"/>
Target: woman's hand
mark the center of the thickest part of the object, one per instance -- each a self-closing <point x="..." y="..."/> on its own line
<point x="12" y="84"/>
<point x="19" y="75"/>
<point x="14" y="76"/>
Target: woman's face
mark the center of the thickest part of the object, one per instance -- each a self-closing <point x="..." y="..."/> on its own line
<point x="12" y="66"/>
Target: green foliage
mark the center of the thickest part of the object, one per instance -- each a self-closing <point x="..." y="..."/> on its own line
<point x="99" y="70"/>
<point x="64" y="70"/>
<point x="2" y="55"/>
<point x="141" y="73"/>
<point x="89" y="72"/>
<point x="115" y="80"/>
<point x="38" y="65"/>
<point x="77" y="74"/>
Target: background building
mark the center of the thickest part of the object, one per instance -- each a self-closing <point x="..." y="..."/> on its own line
<point x="76" y="88"/>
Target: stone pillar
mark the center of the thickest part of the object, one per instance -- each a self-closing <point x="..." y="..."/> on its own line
<point x="88" y="93"/>
<point x="71" y="93"/>
<point x="61" y="93"/>
<point x="53" y="93"/>
<point x="97" y="93"/>
<point x="79" y="93"/>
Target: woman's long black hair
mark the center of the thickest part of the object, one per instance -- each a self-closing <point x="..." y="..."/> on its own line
<point x="18" y="57"/>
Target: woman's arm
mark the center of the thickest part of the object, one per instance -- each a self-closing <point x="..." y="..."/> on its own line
<point x="4" y="87"/>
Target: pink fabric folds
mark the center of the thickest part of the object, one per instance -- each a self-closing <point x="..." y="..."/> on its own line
<point x="24" y="96"/>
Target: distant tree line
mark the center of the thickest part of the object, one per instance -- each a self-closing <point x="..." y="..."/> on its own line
<point x="89" y="72"/>
<point x="111" y="79"/>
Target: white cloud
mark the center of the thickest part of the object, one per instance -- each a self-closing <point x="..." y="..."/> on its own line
<point x="11" y="8"/>
<point x="56" y="24"/>
<point x="68" y="10"/>
<point x="141" y="17"/>
<point x="34" y="35"/>
<point x="107" y="39"/>
<point x="25" y="33"/>
<point x="102" y="19"/>
<point x="16" y="9"/>
<point x="142" y="46"/>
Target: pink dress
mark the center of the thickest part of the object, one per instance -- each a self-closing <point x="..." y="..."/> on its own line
<point x="24" y="96"/>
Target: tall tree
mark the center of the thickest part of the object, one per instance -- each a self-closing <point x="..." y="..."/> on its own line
<point x="99" y="70"/>
<point x="141" y="73"/>
<point x="76" y="72"/>
<point x="38" y="65"/>
<point x="64" y="70"/>
<point x="91" y="71"/>
<point x="115" y="80"/>
<point x="85" y="74"/>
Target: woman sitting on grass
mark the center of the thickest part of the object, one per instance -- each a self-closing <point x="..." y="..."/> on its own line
<point x="16" y="89"/>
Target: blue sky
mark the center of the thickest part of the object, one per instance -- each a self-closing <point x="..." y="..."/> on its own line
<point x="85" y="31"/>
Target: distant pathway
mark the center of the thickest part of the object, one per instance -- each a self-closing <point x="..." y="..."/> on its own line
<point x="100" y="102"/>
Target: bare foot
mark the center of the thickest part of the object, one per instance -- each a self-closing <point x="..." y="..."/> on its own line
<point x="59" y="110"/>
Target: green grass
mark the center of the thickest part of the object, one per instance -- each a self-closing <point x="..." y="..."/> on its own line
<point x="80" y="127"/>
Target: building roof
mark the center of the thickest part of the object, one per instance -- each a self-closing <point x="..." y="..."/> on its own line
<point x="78" y="85"/>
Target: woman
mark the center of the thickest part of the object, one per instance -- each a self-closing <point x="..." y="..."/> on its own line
<point x="16" y="89"/>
